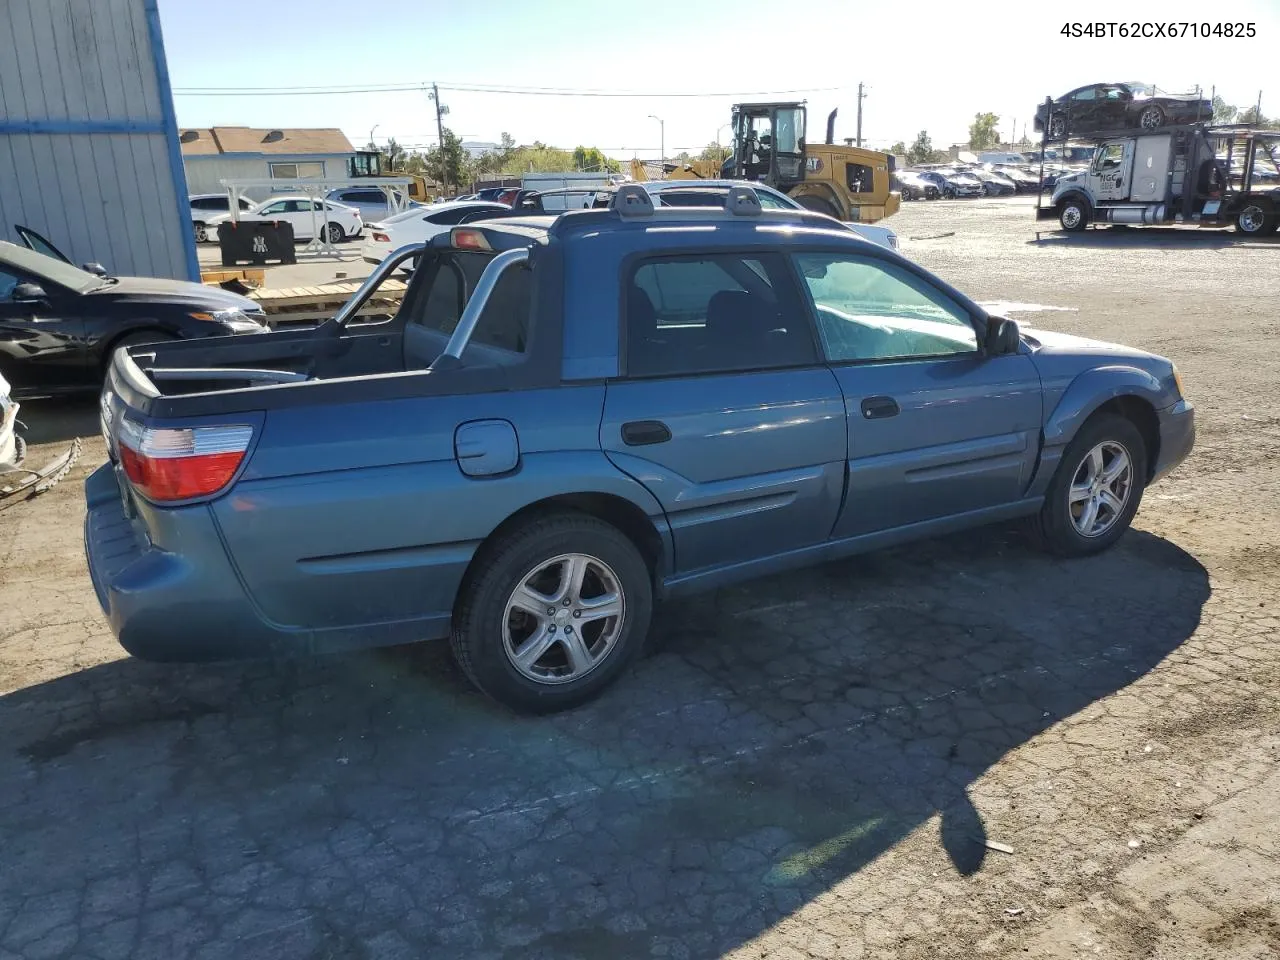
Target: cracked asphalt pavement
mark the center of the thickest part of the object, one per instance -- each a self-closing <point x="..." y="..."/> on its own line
<point x="956" y="749"/>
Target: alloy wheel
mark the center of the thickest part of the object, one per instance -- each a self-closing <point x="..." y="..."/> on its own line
<point x="1100" y="489"/>
<point x="563" y="618"/>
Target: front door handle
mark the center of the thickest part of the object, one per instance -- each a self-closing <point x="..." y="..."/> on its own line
<point x="877" y="408"/>
<point x="640" y="433"/>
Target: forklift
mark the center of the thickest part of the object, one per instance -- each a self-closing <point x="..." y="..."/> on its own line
<point x="845" y="182"/>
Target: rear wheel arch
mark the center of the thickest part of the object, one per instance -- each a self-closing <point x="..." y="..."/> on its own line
<point x="617" y="511"/>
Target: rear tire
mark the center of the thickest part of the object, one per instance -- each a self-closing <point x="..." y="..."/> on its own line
<point x="818" y="205"/>
<point x="496" y="628"/>
<point x="1152" y="118"/>
<point x="1100" y="447"/>
<point x="335" y="232"/>
<point x="202" y="233"/>
<point x="906" y="194"/>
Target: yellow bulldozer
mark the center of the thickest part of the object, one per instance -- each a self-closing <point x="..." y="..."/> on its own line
<point x="769" y="146"/>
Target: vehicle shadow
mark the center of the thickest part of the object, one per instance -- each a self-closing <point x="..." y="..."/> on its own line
<point x="1122" y="236"/>
<point x="58" y="419"/>
<point x="779" y="737"/>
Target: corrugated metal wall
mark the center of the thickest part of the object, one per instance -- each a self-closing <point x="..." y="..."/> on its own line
<point x="88" y="139"/>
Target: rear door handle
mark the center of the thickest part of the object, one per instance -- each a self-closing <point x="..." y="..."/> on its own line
<point x="877" y="408"/>
<point x="640" y="433"/>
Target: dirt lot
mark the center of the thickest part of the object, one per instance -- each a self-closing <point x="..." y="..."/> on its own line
<point x="809" y="766"/>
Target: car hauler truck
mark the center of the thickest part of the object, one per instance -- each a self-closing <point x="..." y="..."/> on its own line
<point x="1204" y="174"/>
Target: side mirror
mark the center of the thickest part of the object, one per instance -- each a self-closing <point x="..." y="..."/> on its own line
<point x="94" y="267"/>
<point x="28" y="293"/>
<point x="1003" y="336"/>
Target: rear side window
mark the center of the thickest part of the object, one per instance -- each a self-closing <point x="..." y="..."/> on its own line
<point x="713" y="313"/>
<point x="505" y="321"/>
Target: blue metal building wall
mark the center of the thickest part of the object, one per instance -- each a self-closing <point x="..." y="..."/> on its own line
<point x="89" y="152"/>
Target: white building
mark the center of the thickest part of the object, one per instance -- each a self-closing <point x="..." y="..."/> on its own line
<point x="213" y="154"/>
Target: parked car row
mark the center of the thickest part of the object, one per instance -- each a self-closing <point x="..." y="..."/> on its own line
<point x="339" y="216"/>
<point x="421" y="224"/>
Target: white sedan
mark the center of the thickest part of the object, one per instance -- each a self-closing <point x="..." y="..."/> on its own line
<point x="310" y="218"/>
<point x="421" y="224"/>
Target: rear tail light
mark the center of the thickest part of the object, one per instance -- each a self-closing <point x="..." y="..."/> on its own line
<point x="462" y="238"/>
<point x="381" y="237"/>
<point x="177" y="464"/>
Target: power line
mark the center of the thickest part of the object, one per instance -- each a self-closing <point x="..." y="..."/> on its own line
<point x="475" y="88"/>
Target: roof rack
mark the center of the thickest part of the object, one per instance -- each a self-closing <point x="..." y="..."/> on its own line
<point x="632" y="201"/>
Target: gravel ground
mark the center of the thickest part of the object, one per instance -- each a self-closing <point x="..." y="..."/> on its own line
<point x="958" y="749"/>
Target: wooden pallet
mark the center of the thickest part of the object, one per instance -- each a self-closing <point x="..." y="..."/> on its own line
<point x="293" y="305"/>
<point x="249" y="276"/>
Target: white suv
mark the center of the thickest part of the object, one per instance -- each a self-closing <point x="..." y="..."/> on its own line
<point x="206" y="206"/>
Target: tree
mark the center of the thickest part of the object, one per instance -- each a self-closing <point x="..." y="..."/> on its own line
<point x="982" y="132"/>
<point x="590" y="158"/>
<point x="921" y="151"/>
<point x="1254" y="118"/>
<point x="1223" y="112"/>
<point x="715" y="152"/>
<point x="395" y="155"/>
<point x="447" y="163"/>
<point x="899" y="149"/>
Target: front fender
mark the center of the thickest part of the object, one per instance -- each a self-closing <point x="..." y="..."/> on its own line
<point x="1092" y="389"/>
<point x="1082" y="398"/>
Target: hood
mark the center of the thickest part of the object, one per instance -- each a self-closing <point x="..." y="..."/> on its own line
<point x="1051" y="342"/>
<point x="180" y="293"/>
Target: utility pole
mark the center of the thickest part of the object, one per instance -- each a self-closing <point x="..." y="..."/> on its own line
<point x="440" y="112"/>
<point x="1257" y="111"/>
<point x="662" y="139"/>
<point x="861" y="96"/>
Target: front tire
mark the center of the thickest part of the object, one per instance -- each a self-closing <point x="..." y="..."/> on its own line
<point x="1096" y="491"/>
<point x="556" y="610"/>
<point x="202" y="233"/>
<point x="1152" y="118"/>
<point x="1073" y="214"/>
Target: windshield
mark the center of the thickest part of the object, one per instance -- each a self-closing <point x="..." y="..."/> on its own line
<point x="47" y="268"/>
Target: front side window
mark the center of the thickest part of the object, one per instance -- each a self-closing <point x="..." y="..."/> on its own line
<point x="1086" y="94"/>
<point x="770" y="202"/>
<point x="278" y="207"/>
<point x="713" y="313"/>
<point x="869" y="309"/>
<point x="1112" y="155"/>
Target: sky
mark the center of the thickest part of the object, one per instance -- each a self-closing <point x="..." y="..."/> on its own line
<point x="926" y="65"/>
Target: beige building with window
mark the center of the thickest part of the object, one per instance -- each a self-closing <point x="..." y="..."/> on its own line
<point x="213" y="154"/>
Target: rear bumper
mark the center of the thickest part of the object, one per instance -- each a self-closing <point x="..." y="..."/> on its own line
<point x="192" y="607"/>
<point x="1177" y="437"/>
